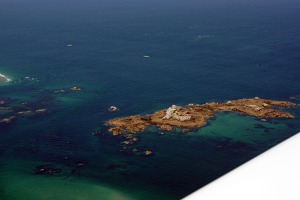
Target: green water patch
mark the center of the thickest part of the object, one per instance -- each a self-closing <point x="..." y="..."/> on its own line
<point x="242" y="128"/>
<point x="69" y="100"/>
<point x="95" y="182"/>
<point x="18" y="185"/>
<point x="3" y="112"/>
<point x="180" y="164"/>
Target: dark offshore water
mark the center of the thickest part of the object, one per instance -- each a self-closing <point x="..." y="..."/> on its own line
<point x="199" y="52"/>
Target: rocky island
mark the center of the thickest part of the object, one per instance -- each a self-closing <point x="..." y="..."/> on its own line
<point x="195" y="116"/>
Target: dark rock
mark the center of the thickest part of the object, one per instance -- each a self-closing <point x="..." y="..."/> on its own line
<point x="259" y="126"/>
<point x="292" y="126"/>
<point x="117" y="167"/>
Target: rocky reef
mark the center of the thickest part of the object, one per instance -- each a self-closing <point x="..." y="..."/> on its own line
<point x="13" y="112"/>
<point x="13" y="109"/>
<point x="195" y="116"/>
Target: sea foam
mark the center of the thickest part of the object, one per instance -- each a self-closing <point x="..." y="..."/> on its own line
<point x="5" y="77"/>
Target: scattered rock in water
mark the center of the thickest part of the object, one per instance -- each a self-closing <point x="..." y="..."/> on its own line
<point x="47" y="169"/>
<point x="128" y="136"/>
<point x="5" y="108"/>
<point x="59" y="91"/>
<point x="80" y="163"/>
<point x="75" y="88"/>
<point x="7" y="120"/>
<point x="26" y="112"/>
<point x="296" y="97"/>
<point x="148" y="153"/>
<point x="130" y="141"/>
<point x="113" y="109"/>
<point x="41" y="110"/>
<point x="126" y="142"/>
<point x="185" y="130"/>
<point x="97" y="133"/>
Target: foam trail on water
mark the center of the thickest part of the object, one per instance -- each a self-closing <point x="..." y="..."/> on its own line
<point x="6" y="78"/>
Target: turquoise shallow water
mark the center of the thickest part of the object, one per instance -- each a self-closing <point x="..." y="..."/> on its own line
<point x="198" y="52"/>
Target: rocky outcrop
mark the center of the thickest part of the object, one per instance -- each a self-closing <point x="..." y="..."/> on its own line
<point x="75" y="88"/>
<point x="148" y="153"/>
<point x="113" y="109"/>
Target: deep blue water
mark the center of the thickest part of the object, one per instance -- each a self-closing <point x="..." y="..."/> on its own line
<point x="198" y="52"/>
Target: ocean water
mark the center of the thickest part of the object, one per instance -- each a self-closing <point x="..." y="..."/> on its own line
<point x="198" y="52"/>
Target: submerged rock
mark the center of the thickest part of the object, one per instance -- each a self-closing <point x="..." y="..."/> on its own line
<point x="117" y="167"/>
<point x="59" y="91"/>
<point x="80" y="163"/>
<point x="75" y="171"/>
<point x="47" y="169"/>
<point x="296" y="97"/>
<point x="97" y="133"/>
<point x="130" y="141"/>
<point x="26" y="112"/>
<point x="41" y="110"/>
<point x="7" y="120"/>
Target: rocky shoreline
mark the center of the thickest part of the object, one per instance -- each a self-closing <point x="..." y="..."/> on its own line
<point x="195" y="116"/>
